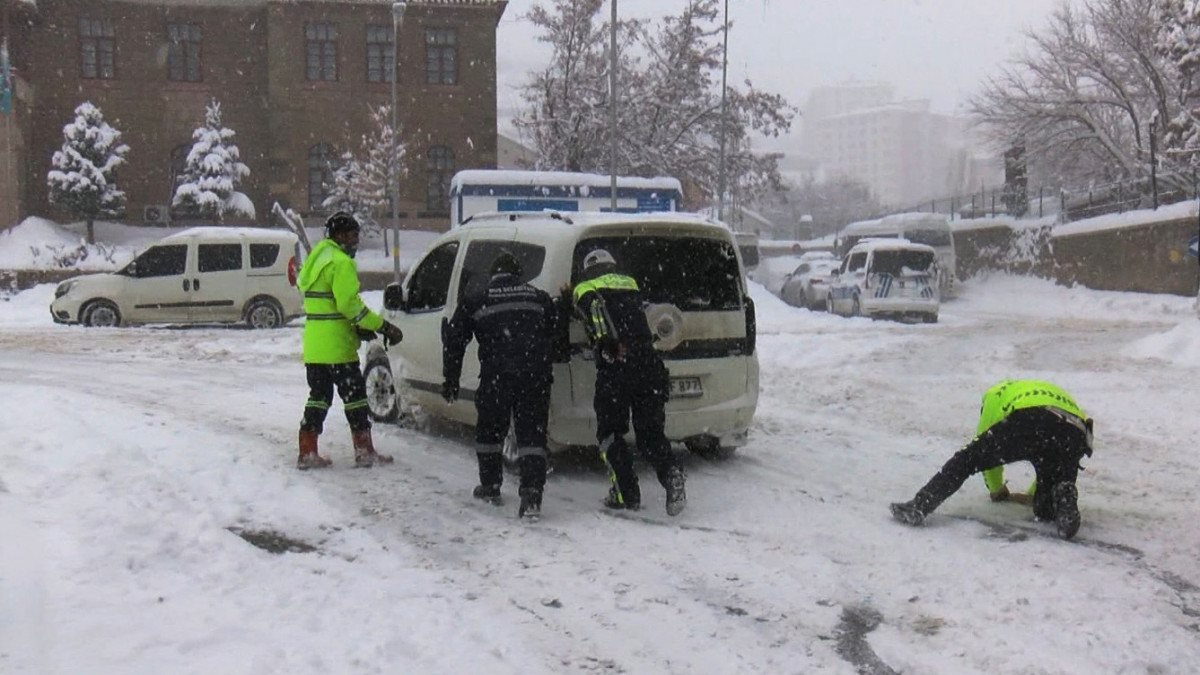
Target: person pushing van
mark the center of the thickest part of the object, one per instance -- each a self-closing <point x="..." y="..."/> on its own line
<point x="630" y="380"/>
<point x="1020" y="420"/>
<point x="336" y="320"/>
<point x="515" y="325"/>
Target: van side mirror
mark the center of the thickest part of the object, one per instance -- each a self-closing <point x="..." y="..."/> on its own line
<point x="393" y="297"/>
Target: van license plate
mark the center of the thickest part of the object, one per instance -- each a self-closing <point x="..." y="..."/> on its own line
<point x="686" y="387"/>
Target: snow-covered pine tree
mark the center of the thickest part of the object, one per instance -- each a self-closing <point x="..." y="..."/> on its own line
<point x="208" y="185"/>
<point x="1179" y="41"/>
<point x="83" y="178"/>
<point x="360" y="184"/>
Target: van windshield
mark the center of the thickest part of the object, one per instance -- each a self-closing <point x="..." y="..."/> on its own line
<point x="928" y="237"/>
<point x="692" y="273"/>
<point x="898" y="263"/>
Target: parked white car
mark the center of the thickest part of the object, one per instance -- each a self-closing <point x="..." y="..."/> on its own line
<point x="199" y="275"/>
<point x="891" y="278"/>
<point x="808" y="285"/>
<point x="689" y="269"/>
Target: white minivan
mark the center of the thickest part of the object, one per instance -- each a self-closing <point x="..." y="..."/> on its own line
<point x="199" y="275"/>
<point x="688" y="268"/>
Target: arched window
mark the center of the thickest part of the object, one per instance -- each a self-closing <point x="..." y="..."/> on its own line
<point x="439" y="169"/>
<point x="179" y="155"/>
<point x="320" y="175"/>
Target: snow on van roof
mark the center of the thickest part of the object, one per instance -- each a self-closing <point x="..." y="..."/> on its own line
<point x="559" y="178"/>
<point x="216" y="232"/>
<point x="890" y="244"/>
<point x="916" y="218"/>
<point x="590" y="218"/>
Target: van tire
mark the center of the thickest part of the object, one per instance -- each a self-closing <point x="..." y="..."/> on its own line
<point x="930" y="318"/>
<point x="382" y="402"/>
<point x="856" y="308"/>
<point x="709" y="447"/>
<point x="264" y="313"/>
<point x="829" y="304"/>
<point x="101" y="314"/>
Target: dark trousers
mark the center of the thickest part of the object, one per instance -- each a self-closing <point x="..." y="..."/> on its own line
<point x="348" y="378"/>
<point x="1053" y="445"/>
<point x="637" y="390"/>
<point x="524" y="399"/>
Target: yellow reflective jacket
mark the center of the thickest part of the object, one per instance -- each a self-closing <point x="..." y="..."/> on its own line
<point x="1008" y="396"/>
<point x="332" y="308"/>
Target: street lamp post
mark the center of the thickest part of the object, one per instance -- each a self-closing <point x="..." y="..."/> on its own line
<point x="394" y="170"/>
<point x="724" y="89"/>
<point x="612" y="108"/>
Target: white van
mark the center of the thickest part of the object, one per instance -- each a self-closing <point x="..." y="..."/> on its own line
<point x="886" y="278"/>
<point x="689" y="269"/>
<point x="477" y="191"/>
<point x="199" y="275"/>
<point x="930" y="229"/>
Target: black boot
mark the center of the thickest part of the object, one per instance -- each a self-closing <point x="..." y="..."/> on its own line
<point x="617" y="500"/>
<point x="1066" y="509"/>
<point x="491" y="476"/>
<point x="913" y="511"/>
<point x="676" y="494"/>
<point x="531" y="504"/>
<point x="533" y="480"/>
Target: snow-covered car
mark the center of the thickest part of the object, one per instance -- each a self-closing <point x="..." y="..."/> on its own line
<point x="886" y="278"/>
<point x="199" y="275"/>
<point x="808" y="285"/>
<point x="687" y="266"/>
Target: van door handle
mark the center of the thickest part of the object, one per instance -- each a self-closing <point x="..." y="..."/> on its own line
<point x="196" y="284"/>
<point x="186" y="285"/>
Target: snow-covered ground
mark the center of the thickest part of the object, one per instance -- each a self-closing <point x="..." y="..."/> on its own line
<point x="131" y="457"/>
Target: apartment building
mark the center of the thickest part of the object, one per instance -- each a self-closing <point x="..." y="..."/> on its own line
<point x="296" y="80"/>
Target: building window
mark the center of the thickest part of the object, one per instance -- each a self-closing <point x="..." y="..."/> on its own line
<point x="439" y="169"/>
<point x="381" y="54"/>
<point x="183" y="52"/>
<point x="320" y="176"/>
<point x="321" y="42"/>
<point x="441" y="56"/>
<point x="96" y="49"/>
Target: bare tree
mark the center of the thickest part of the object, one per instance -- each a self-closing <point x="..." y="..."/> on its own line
<point x="669" y="103"/>
<point x="1082" y="97"/>
<point x="361" y="182"/>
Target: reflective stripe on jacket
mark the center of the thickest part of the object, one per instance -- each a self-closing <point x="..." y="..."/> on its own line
<point x="328" y="281"/>
<point x="614" y="316"/>
<point x="1008" y="396"/>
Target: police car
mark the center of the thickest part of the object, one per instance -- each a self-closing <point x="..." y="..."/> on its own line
<point x="886" y="278"/>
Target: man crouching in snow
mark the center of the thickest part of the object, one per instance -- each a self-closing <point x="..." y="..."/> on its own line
<point x="335" y="321"/>
<point x="1021" y="420"/>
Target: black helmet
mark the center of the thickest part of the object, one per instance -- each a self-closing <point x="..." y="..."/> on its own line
<point x="506" y="263"/>
<point x="340" y="222"/>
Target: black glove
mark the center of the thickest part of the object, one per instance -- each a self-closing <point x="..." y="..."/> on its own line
<point x="391" y="333"/>
<point x="364" y="334"/>
<point x="450" y="391"/>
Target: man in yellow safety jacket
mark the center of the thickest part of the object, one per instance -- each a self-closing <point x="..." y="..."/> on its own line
<point x="336" y="320"/>
<point x="1020" y="420"/>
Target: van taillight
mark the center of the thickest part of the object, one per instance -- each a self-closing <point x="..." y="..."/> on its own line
<point x="292" y="269"/>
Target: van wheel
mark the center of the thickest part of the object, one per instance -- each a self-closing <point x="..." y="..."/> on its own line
<point x="264" y="313"/>
<point x="856" y="308"/>
<point x="829" y="304"/>
<point x="709" y="447"/>
<point x="930" y="318"/>
<point x="382" y="401"/>
<point x="101" y="314"/>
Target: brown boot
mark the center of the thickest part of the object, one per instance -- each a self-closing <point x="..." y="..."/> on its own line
<point x="364" y="451"/>
<point x="309" y="459"/>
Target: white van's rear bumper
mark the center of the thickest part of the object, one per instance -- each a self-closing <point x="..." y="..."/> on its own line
<point x="728" y="422"/>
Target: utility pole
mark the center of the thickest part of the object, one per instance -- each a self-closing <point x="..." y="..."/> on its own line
<point x="1153" y="161"/>
<point x="612" y="108"/>
<point x="394" y="170"/>
<point x="724" y="89"/>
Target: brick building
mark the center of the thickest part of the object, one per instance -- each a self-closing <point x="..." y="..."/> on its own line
<point x="295" y="79"/>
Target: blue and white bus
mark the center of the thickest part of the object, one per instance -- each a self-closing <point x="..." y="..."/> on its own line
<point x="485" y="191"/>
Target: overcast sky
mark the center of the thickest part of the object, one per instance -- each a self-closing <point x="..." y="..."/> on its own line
<point x="935" y="49"/>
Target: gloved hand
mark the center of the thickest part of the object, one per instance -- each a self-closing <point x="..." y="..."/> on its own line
<point x="1000" y="495"/>
<point x="450" y="391"/>
<point x="364" y="334"/>
<point x="391" y="333"/>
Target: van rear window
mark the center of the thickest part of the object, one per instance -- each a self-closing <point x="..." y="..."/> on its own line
<point x="928" y="237"/>
<point x="894" y="262"/>
<point x="263" y="255"/>
<point x="692" y="273"/>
